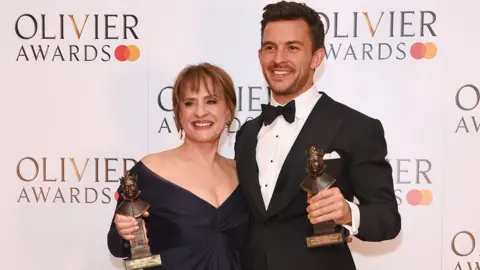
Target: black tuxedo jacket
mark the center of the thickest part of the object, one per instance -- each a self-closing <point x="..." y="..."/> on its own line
<point x="277" y="235"/>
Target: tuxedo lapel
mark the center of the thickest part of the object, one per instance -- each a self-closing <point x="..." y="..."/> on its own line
<point x="319" y="130"/>
<point x="250" y="167"/>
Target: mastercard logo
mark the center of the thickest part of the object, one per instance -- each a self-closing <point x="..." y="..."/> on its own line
<point x="421" y="50"/>
<point x="419" y="197"/>
<point x="127" y="53"/>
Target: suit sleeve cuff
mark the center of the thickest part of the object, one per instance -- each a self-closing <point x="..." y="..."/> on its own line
<point x="353" y="229"/>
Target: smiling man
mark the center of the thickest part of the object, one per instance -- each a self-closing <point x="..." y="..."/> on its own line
<point x="270" y="152"/>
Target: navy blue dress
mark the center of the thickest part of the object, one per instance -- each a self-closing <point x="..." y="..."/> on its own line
<point x="188" y="232"/>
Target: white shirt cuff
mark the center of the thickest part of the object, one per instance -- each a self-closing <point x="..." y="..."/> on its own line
<point x="355" y="219"/>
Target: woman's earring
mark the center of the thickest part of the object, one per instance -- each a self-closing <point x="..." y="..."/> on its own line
<point x="228" y="128"/>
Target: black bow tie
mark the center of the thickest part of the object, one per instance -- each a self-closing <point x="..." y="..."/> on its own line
<point x="270" y="113"/>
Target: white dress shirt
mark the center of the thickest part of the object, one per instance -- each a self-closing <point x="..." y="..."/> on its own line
<point x="275" y="141"/>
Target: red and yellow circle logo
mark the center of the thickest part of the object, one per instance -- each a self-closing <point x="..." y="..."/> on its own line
<point x="124" y="53"/>
<point x="419" y="197"/>
<point x="421" y="50"/>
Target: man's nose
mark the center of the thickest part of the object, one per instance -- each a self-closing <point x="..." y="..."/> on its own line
<point x="280" y="56"/>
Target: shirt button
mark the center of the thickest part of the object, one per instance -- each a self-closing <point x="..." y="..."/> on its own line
<point x="276" y="136"/>
<point x="271" y="161"/>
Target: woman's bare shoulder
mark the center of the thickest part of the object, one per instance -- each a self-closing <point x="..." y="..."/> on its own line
<point x="158" y="160"/>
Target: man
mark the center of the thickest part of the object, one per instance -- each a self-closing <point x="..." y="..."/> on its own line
<point x="270" y="152"/>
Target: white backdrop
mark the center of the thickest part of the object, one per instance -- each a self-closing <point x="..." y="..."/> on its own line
<point x="75" y="117"/>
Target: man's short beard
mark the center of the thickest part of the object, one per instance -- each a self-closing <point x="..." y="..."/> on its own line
<point x="295" y="87"/>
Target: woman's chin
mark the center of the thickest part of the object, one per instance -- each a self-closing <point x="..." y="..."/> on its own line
<point x="204" y="137"/>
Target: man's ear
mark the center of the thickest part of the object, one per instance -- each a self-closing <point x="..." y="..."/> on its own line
<point x="317" y="58"/>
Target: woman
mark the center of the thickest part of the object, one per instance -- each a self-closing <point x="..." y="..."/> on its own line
<point x="198" y="217"/>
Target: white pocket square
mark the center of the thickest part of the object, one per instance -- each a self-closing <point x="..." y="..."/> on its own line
<point x="332" y="155"/>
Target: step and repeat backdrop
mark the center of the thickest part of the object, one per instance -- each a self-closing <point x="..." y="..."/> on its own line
<point x="86" y="93"/>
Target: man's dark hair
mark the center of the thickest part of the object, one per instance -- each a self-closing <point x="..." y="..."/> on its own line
<point x="284" y="10"/>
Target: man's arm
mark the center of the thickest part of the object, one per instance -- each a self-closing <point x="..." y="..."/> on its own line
<point x="237" y="138"/>
<point x="354" y="218"/>
<point x="372" y="182"/>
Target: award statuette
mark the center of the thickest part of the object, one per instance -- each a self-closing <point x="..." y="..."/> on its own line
<point x="325" y="233"/>
<point x="141" y="257"/>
